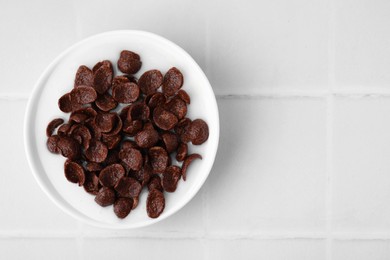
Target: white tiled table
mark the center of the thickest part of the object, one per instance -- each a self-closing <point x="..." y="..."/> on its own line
<point x="303" y="169"/>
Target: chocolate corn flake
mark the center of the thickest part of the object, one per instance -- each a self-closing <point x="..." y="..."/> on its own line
<point x="164" y="119"/>
<point x="69" y="147"/>
<point x="155" y="203"/>
<point x="155" y="183"/>
<point x="52" y="144"/>
<point x="110" y="175"/>
<point x="171" y="177"/>
<point x="74" y="172"/>
<point x="170" y="141"/>
<point x="91" y="184"/>
<point x="105" y="197"/>
<point x="146" y="138"/>
<point x="128" y="187"/>
<point x="178" y="107"/>
<point x="126" y="93"/>
<point x="105" y="102"/>
<point x="132" y="157"/>
<point x="105" y="121"/>
<point x="187" y="161"/>
<point x="93" y="167"/>
<point x="158" y="159"/>
<point x="198" y="132"/>
<point x="102" y="76"/>
<point x="67" y="105"/>
<point x="129" y="62"/>
<point x="150" y="81"/>
<point x="122" y="207"/>
<point x="97" y="151"/>
<point x="53" y="125"/>
<point x="84" y="77"/>
<point x="83" y="94"/>
<point x="182" y="151"/>
<point x="173" y="81"/>
<point x="183" y="95"/>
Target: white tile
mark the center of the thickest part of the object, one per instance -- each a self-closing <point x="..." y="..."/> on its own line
<point x="361" y="178"/>
<point x="256" y="45"/>
<point x="182" y="22"/>
<point x="269" y="174"/>
<point x="33" y="33"/>
<point x="37" y="248"/>
<point x="362" y="49"/>
<point x="280" y="44"/>
<point x="295" y="249"/>
<point x="188" y="221"/>
<point x="143" y="249"/>
<point x="24" y="206"/>
<point x="361" y="250"/>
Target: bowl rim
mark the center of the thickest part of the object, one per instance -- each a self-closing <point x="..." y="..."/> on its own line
<point x="28" y="143"/>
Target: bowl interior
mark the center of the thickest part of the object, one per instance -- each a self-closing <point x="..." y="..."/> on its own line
<point x="156" y="53"/>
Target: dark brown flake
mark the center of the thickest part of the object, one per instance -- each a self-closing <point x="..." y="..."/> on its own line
<point x="158" y="159"/>
<point x="187" y="162"/>
<point x="122" y="207"/>
<point x="53" y="125"/>
<point x="97" y="151"/>
<point x="84" y="77"/>
<point x="171" y="177"/>
<point x="155" y="203"/>
<point x="105" y="197"/>
<point x="150" y="81"/>
<point x="110" y="175"/>
<point x="129" y="62"/>
<point x="173" y="81"/>
<point x="74" y="172"/>
<point x="128" y="187"/>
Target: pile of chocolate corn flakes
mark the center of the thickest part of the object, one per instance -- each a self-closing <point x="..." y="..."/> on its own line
<point x="123" y="132"/>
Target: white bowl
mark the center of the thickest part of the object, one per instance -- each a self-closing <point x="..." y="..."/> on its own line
<point x="156" y="53"/>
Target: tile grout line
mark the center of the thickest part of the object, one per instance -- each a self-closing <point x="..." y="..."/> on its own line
<point x="194" y="236"/>
<point x="205" y="214"/>
<point x="80" y="241"/>
<point x="330" y="129"/>
<point x="329" y="173"/>
<point x="361" y="236"/>
<point x="350" y="94"/>
<point x="14" y="96"/>
<point x="177" y="235"/>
